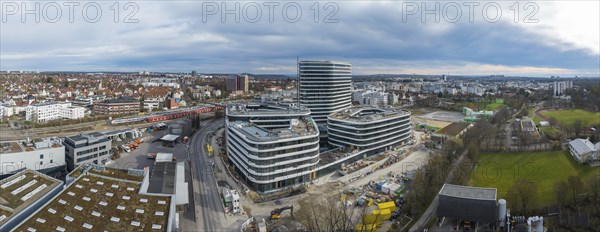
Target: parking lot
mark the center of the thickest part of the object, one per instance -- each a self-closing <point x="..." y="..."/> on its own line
<point x="138" y="158"/>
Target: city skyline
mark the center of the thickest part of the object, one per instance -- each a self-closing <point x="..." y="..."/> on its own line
<point x="375" y="37"/>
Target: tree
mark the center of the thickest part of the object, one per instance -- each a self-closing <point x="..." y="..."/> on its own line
<point x="561" y="189"/>
<point x="577" y="127"/>
<point x="521" y="196"/>
<point x="323" y="214"/>
<point x="594" y="184"/>
<point x="576" y="186"/>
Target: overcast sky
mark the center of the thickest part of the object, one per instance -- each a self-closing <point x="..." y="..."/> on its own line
<point x="549" y="38"/>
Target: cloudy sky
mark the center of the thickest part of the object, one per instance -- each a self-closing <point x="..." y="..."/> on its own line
<point x="528" y="38"/>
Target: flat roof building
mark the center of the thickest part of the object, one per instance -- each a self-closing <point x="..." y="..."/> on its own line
<point x="49" y="111"/>
<point x="100" y="198"/>
<point x="22" y="194"/>
<point x="46" y="156"/>
<point x="120" y="106"/>
<point x="468" y="203"/>
<point x="367" y="131"/>
<point x="87" y="148"/>
<point x="272" y="146"/>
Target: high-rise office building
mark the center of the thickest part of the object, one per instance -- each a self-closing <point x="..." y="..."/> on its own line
<point x="325" y="88"/>
<point x="272" y="146"/>
<point x="237" y="83"/>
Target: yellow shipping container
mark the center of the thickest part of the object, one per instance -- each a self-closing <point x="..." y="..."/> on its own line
<point x="365" y="227"/>
<point x="384" y="214"/>
<point x="387" y="205"/>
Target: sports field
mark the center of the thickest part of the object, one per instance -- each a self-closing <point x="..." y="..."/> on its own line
<point x="501" y="170"/>
<point x="568" y="117"/>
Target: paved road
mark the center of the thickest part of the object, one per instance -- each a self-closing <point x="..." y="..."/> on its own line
<point x="209" y="210"/>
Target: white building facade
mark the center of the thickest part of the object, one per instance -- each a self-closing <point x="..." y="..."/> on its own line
<point x="46" y="156"/>
<point x="272" y="147"/>
<point x="45" y="112"/>
<point x="369" y="129"/>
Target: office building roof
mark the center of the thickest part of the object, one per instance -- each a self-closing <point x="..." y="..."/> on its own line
<point x="368" y="114"/>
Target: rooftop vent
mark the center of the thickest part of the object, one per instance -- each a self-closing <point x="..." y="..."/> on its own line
<point x="87" y="226"/>
<point x="68" y="218"/>
<point x="115" y="219"/>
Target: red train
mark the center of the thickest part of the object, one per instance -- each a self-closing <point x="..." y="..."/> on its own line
<point x="156" y="117"/>
<point x="180" y="114"/>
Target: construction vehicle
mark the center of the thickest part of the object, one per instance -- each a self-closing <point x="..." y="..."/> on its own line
<point x="135" y="143"/>
<point x="276" y="213"/>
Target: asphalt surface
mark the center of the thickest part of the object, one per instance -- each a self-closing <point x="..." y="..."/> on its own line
<point x="209" y="210"/>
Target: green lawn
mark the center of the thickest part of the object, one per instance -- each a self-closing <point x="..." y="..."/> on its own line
<point x="494" y="106"/>
<point x="567" y="117"/>
<point x="501" y="170"/>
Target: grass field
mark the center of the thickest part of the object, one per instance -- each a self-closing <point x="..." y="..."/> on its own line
<point x="494" y="106"/>
<point x="501" y="170"/>
<point x="567" y="117"/>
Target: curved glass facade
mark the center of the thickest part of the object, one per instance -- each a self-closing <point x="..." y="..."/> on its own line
<point x="369" y="133"/>
<point x="325" y="87"/>
<point x="272" y="149"/>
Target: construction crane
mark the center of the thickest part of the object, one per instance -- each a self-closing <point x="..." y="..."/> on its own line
<point x="276" y="213"/>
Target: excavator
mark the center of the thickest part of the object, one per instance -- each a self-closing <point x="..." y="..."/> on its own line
<point x="276" y="213"/>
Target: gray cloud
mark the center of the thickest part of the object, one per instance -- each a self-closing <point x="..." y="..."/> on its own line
<point x="171" y="36"/>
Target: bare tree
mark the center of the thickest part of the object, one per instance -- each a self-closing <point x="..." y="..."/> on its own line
<point x="577" y="127"/>
<point x="561" y="189"/>
<point x="323" y="214"/>
<point x="522" y="195"/>
<point x="594" y="184"/>
<point x="576" y="186"/>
